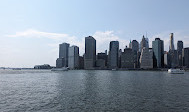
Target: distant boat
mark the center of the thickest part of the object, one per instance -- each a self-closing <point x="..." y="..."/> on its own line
<point x="60" y="69"/>
<point x="114" y="69"/>
<point x="176" y="71"/>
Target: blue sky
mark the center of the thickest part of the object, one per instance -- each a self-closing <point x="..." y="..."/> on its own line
<point x="30" y="30"/>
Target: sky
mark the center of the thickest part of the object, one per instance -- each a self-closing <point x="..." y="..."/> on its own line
<point x="31" y="30"/>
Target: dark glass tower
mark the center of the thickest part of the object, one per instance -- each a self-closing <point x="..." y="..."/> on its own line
<point x="158" y="50"/>
<point x="90" y="53"/>
<point x="113" y="54"/>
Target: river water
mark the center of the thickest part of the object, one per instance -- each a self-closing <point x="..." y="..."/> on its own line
<point x="93" y="91"/>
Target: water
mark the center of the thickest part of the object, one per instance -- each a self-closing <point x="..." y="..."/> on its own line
<point x="75" y="91"/>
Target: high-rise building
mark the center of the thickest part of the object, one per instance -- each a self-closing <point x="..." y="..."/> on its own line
<point x="144" y="43"/>
<point x="172" y="52"/>
<point x="90" y="53"/>
<point x="179" y="52"/>
<point x="171" y="46"/>
<point x="127" y="58"/>
<point x="185" y="57"/>
<point x="62" y="61"/>
<point x="135" y="49"/>
<point x="135" y="45"/>
<point x="113" y="54"/>
<point x="158" y="50"/>
<point x="73" y="57"/>
<point x="146" y="58"/>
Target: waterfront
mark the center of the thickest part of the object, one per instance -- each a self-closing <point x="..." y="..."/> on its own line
<point x="93" y="90"/>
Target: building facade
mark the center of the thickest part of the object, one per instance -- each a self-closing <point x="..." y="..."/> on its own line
<point x="103" y="56"/>
<point x="127" y="58"/>
<point x="63" y="54"/>
<point x="158" y="50"/>
<point x="135" y="49"/>
<point x="179" y="52"/>
<point x="146" y="58"/>
<point x="73" y="57"/>
<point x="90" y="53"/>
<point x="185" y="57"/>
<point x="113" y="54"/>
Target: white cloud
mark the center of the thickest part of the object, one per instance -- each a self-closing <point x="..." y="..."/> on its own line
<point x="30" y="33"/>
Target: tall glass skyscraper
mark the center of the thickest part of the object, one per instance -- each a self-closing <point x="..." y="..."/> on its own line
<point x="90" y="53"/>
<point x="179" y="52"/>
<point x="171" y="46"/>
<point x="158" y="50"/>
<point x="62" y="61"/>
<point x="113" y="54"/>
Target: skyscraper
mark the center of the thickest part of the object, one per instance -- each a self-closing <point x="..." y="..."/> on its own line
<point x="158" y="50"/>
<point x="62" y="61"/>
<point x="113" y="54"/>
<point x="73" y="57"/>
<point x="185" y="56"/>
<point x="135" y="49"/>
<point x="135" y="45"/>
<point x="144" y="43"/>
<point x="146" y="58"/>
<point x="171" y="46"/>
<point x="172" y="52"/>
<point x="179" y="52"/>
<point x="90" y="53"/>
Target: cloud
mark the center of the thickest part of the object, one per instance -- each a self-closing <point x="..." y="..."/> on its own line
<point x="31" y="33"/>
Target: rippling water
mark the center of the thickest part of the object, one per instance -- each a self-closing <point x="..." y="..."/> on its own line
<point x="79" y="90"/>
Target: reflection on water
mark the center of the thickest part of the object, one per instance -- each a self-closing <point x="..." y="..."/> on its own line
<point x="95" y="90"/>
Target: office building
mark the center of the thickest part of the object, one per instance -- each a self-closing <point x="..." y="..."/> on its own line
<point x="158" y="50"/>
<point x="185" y="57"/>
<point x="63" y="55"/>
<point x="135" y="49"/>
<point x="146" y="58"/>
<point x="113" y="54"/>
<point x="135" y="46"/>
<point x="127" y="58"/>
<point x="90" y="53"/>
<point x="179" y="52"/>
<point x="171" y="45"/>
<point x="103" y="56"/>
<point x="73" y="57"/>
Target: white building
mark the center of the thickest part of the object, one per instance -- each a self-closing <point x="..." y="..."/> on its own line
<point x="73" y="57"/>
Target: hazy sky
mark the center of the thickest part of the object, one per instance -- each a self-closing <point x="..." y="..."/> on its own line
<point x="31" y="30"/>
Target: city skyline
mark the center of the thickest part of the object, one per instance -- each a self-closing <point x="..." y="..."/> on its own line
<point x="31" y="31"/>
